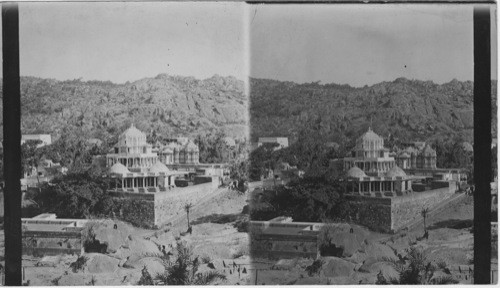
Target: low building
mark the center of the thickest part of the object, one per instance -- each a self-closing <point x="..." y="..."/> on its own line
<point x="45" y="139"/>
<point x="280" y="238"/>
<point x="281" y="141"/>
<point x="45" y="235"/>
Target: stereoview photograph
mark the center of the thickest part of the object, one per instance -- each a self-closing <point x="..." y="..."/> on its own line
<point x="230" y="143"/>
<point x="363" y="119"/>
<point x="134" y="135"/>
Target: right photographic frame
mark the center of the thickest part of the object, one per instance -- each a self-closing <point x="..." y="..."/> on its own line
<point x="374" y="148"/>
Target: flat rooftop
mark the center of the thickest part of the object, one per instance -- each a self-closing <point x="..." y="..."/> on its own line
<point x="287" y="228"/>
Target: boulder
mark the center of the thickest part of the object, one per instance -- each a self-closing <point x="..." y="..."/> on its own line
<point x="50" y="261"/>
<point x="101" y="263"/>
<point x="285" y="264"/>
<point x="379" y="251"/>
<point x="311" y="281"/>
<point x="337" y="267"/>
<point x="153" y="265"/>
<point x="72" y="279"/>
<point x="348" y="241"/>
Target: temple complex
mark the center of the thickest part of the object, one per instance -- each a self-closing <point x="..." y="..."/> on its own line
<point x="417" y="157"/>
<point x="136" y="168"/>
<point x="370" y="155"/>
<point x="178" y="151"/>
<point x="372" y="172"/>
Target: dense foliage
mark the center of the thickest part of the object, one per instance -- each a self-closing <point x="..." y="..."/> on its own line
<point x="75" y="196"/>
<point x="403" y="108"/>
<point x="310" y="153"/>
<point x="183" y="270"/>
<point x="305" y="200"/>
<point x="85" y="196"/>
<point x="170" y="105"/>
<point x="416" y="269"/>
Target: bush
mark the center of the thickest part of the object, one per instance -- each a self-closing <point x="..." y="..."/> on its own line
<point x="78" y="264"/>
<point x="315" y="267"/>
<point x="242" y="225"/>
<point x="205" y="259"/>
<point x="326" y="247"/>
<point x="146" y="278"/>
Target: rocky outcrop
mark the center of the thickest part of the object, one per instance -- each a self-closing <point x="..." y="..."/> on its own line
<point x="168" y="104"/>
<point x="403" y="108"/>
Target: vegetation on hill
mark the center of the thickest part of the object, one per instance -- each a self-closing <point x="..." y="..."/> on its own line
<point x="402" y="109"/>
<point x="169" y="105"/>
<point x="305" y="200"/>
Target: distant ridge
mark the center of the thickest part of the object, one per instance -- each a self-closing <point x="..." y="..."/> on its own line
<point x="171" y="105"/>
<point x="406" y="109"/>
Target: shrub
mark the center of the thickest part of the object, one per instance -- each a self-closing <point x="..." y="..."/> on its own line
<point x="326" y="247"/>
<point x="55" y="281"/>
<point x="242" y="225"/>
<point x="315" y="267"/>
<point x="146" y="278"/>
<point x="78" y="264"/>
<point x="205" y="259"/>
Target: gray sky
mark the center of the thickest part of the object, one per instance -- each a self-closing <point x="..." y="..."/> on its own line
<point x="361" y="44"/>
<point x="129" y="41"/>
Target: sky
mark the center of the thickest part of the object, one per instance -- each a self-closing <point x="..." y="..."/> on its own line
<point x="129" y="41"/>
<point x="361" y="45"/>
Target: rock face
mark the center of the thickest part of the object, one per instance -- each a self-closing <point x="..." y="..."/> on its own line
<point x="403" y="108"/>
<point x="100" y="263"/>
<point x="335" y="267"/>
<point x="167" y="104"/>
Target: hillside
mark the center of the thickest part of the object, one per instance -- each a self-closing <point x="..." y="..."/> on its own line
<point x="407" y="109"/>
<point x="171" y="105"/>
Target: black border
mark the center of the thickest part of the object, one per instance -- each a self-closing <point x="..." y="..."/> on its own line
<point x="12" y="146"/>
<point x="482" y="145"/>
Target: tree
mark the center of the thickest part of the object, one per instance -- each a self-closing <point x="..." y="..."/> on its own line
<point x="416" y="269"/>
<point x="424" y="214"/>
<point x="146" y="278"/>
<point x="75" y="196"/>
<point x="187" y="207"/>
<point x="184" y="270"/>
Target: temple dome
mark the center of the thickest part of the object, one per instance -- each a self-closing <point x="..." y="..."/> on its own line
<point x="159" y="167"/>
<point x="118" y="168"/>
<point x="133" y="132"/>
<point x="395" y="172"/>
<point x="355" y="172"/>
<point x="190" y="146"/>
<point x="167" y="150"/>
<point x="369" y="141"/>
<point x="132" y="137"/>
<point x="370" y="136"/>
<point x="404" y="155"/>
<point x="428" y="151"/>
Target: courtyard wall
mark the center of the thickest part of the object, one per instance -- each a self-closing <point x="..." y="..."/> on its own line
<point x="406" y="210"/>
<point x="152" y="210"/>
<point x="390" y="214"/>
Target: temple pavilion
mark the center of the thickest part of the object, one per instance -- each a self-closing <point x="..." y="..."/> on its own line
<point x="370" y="156"/>
<point x="136" y="168"/>
<point x="372" y="172"/>
<point x="414" y="157"/>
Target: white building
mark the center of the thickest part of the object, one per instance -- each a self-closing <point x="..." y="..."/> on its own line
<point x="45" y="138"/>
<point x="282" y="141"/>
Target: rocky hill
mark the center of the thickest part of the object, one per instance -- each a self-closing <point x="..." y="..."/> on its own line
<point x="171" y="105"/>
<point x="407" y="109"/>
